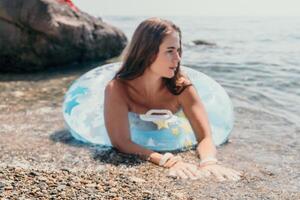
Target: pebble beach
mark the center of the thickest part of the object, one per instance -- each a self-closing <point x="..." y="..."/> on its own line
<point x="39" y="159"/>
<point x="255" y="59"/>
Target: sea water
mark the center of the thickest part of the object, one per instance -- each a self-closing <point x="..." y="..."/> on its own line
<point x="256" y="59"/>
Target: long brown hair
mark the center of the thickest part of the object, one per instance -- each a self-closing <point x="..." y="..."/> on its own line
<point x="143" y="49"/>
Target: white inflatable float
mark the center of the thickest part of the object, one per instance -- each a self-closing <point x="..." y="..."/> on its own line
<point x="83" y="113"/>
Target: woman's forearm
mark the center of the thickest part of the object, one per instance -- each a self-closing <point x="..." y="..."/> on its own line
<point x="206" y="148"/>
<point x="132" y="148"/>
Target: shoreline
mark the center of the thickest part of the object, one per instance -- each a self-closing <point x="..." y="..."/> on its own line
<point x="40" y="159"/>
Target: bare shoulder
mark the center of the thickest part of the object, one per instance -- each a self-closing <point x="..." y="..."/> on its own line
<point x="115" y="91"/>
<point x="114" y="87"/>
<point x="188" y="95"/>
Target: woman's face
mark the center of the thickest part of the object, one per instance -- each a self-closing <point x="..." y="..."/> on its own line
<point x="168" y="56"/>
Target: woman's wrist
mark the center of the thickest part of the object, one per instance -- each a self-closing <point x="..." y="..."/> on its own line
<point x="154" y="158"/>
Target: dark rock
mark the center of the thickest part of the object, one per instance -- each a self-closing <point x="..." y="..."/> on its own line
<point x="203" y="42"/>
<point x="40" y="34"/>
<point x="33" y="173"/>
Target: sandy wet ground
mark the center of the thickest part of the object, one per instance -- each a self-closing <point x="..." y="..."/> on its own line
<point x="40" y="159"/>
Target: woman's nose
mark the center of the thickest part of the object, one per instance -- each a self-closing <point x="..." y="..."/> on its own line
<point x="177" y="57"/>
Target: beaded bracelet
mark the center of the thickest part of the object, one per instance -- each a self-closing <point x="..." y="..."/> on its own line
<point x="208" y="159"/>
<point x="165" y="158"/>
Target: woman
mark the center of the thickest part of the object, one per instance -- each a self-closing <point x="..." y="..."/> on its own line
<point x="150" y="78"/>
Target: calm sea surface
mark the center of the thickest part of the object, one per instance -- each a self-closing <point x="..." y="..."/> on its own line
<point x="256" y="59"/>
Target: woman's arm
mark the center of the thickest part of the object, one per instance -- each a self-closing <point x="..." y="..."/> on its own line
<point x="117" y="123"/>
<point x="196" y="114"/>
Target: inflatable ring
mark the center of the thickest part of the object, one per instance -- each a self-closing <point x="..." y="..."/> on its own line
<point x="83" y="113"/>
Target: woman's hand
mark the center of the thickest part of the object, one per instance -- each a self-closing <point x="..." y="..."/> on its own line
<point x="184" y="170"/>
<point x="220" y="172"/>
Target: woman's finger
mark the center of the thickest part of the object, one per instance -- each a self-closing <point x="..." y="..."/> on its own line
<point x="231" y="174"/>
<point x="216" y="173"/>
<point x="235" y="176"/>
<point x="172" y="173"/>
<point x="181" y="174"/>
<point x="189" y="173"/>
<point x="193" y="169"/>
<point x="203" y="173"/>
<point x="236" y="172"/>
<point x="228" y="173"/>
<point x="207" y="172"/>
<point x="170" y="163"/>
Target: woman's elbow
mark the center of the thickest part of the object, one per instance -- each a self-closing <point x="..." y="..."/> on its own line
<point x="122" y="146"/>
